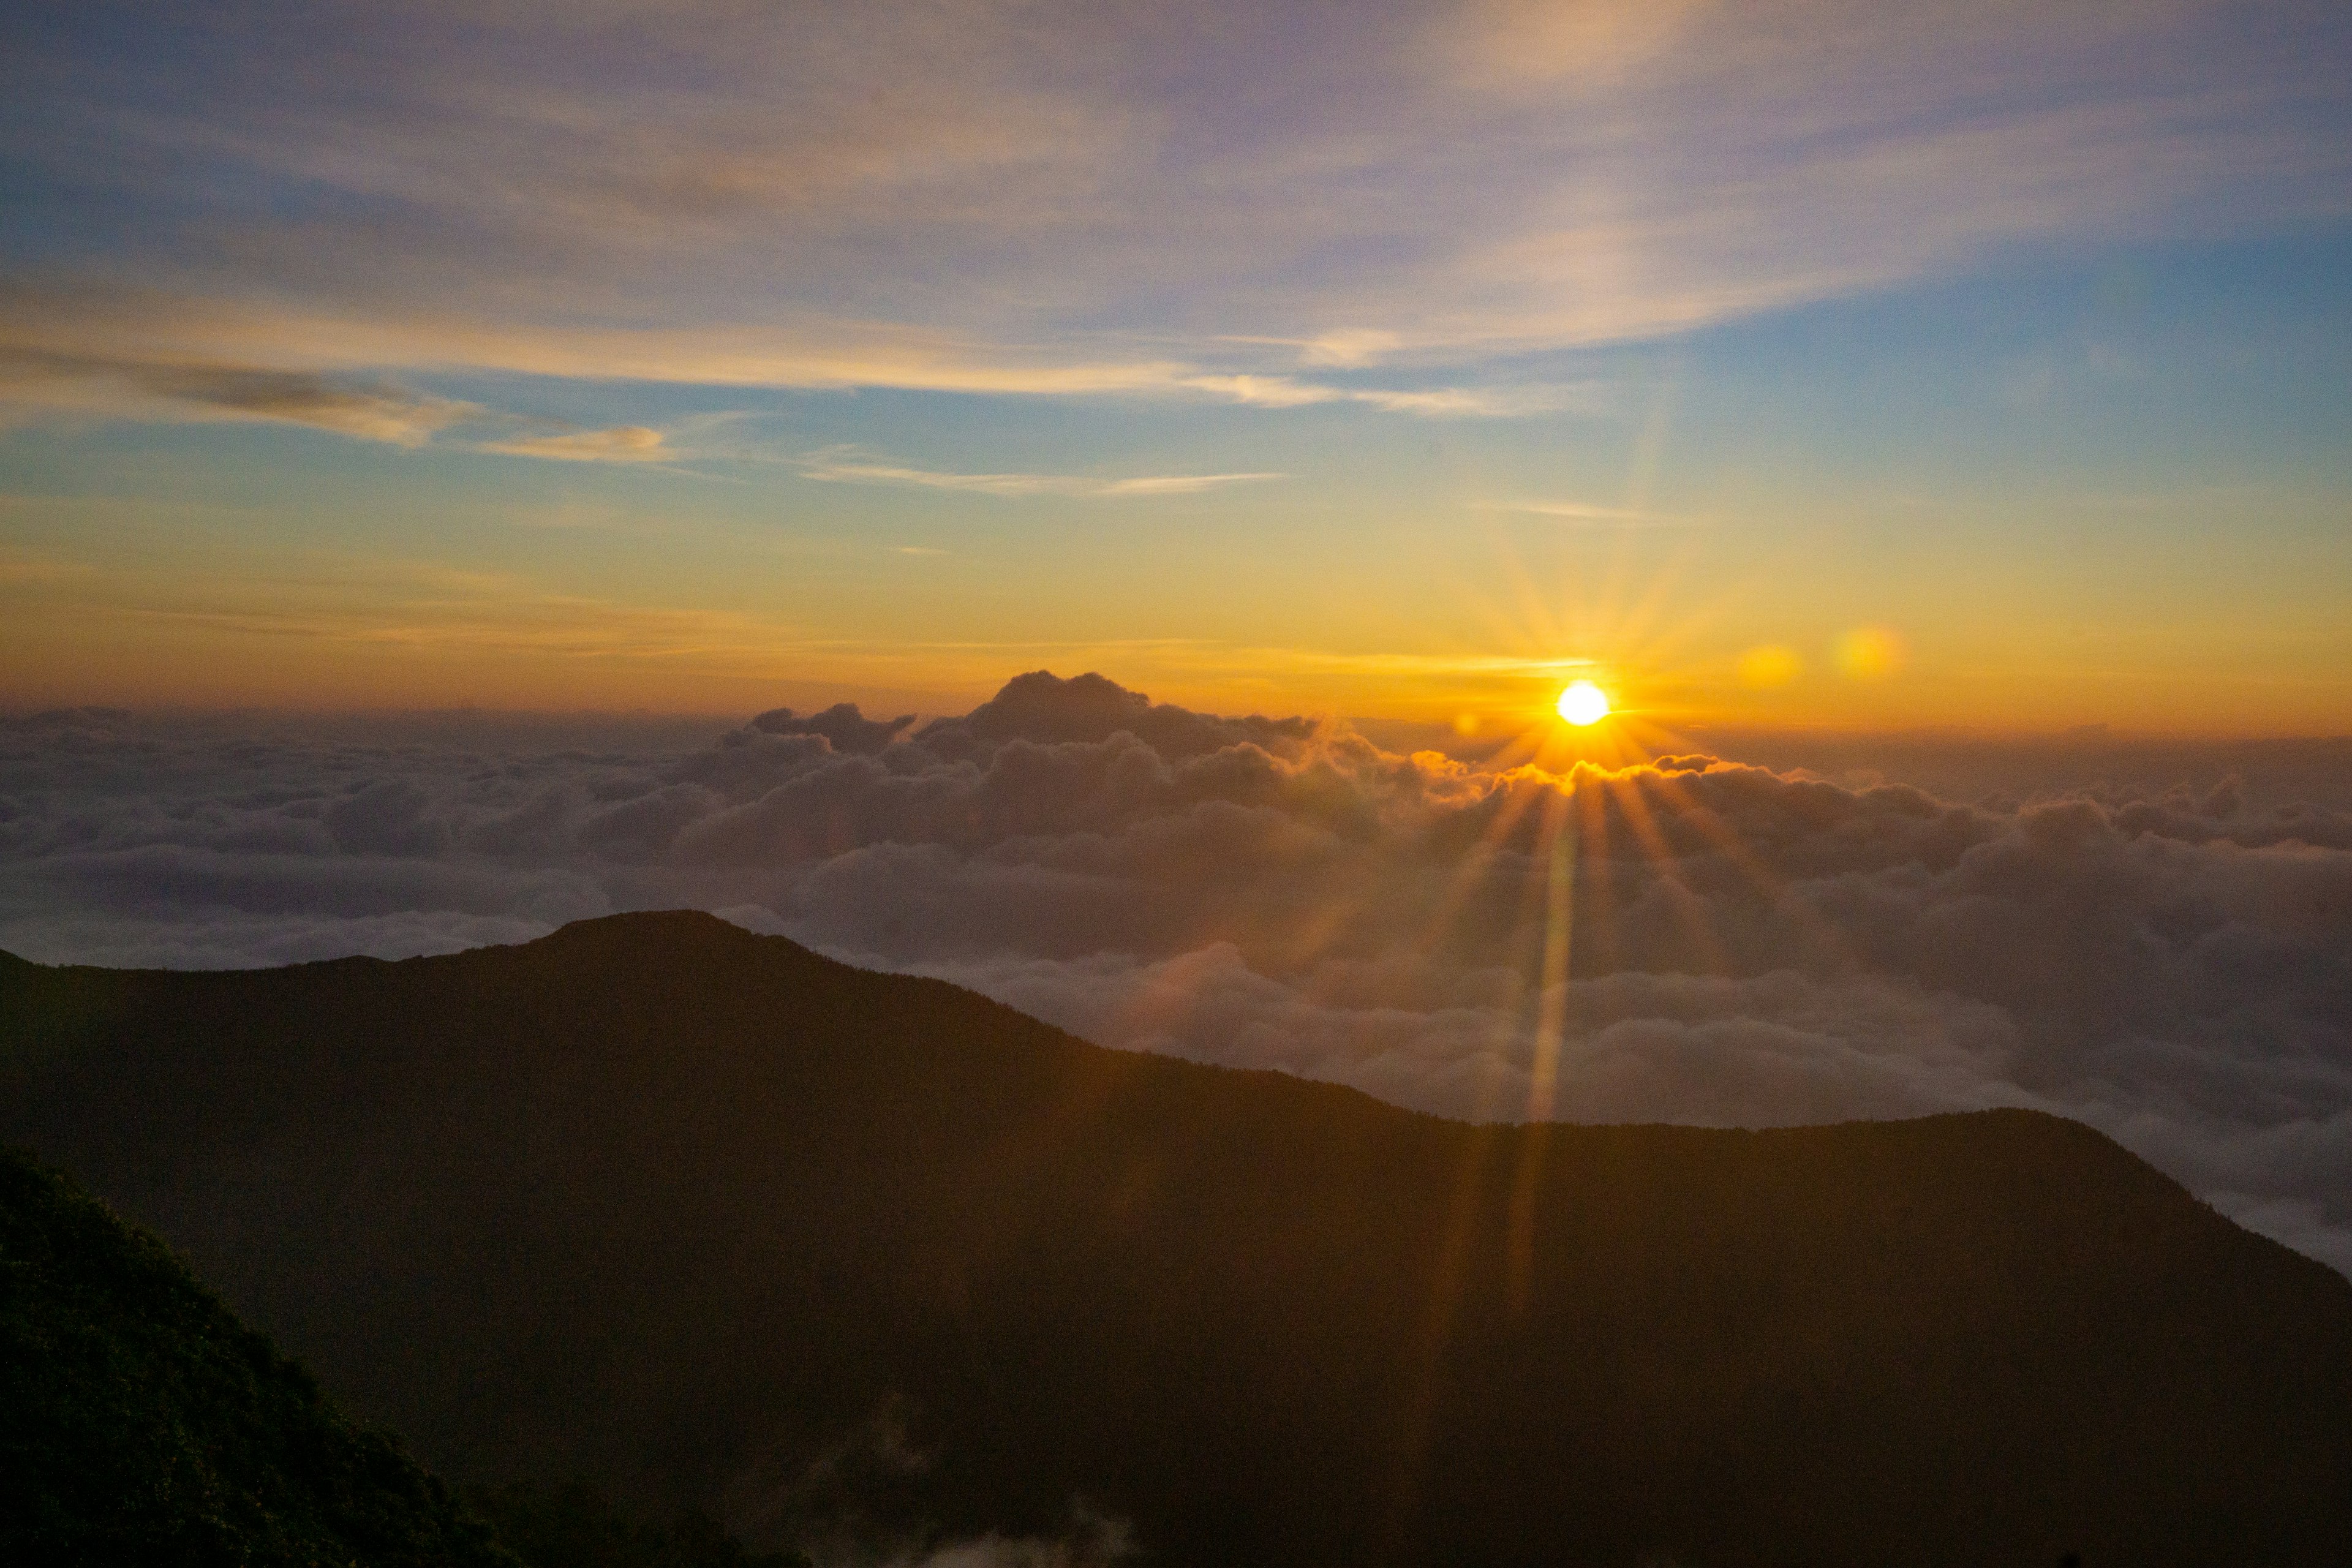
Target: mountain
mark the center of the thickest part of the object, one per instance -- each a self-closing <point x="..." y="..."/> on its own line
<point x="717" y="1222"/>
<point x="140" y="1423"/>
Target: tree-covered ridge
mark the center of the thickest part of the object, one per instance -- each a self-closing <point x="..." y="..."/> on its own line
<point x="140" y="1422"/>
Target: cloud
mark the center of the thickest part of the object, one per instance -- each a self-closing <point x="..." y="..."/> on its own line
<point x="1749" y="947"/>
<point x="1054" y="199"/>
<point x="623" y="444"/>
<point x="1479" y="402"/>
<point x="46" y="379"/>
<point x="1180" y="484"/>
<point x="1264" y="391"/>
<point x="1595" y="515"/>
<point x="1091" y="1541"/>
<point x="92" y="322"/>
<point x="380" y="413"/>
<point x="1345" y="348"/>
<point x="846" y="465"/>
<point x="843" y="727"/>
<point x="65" y="344"/>
<point x="370" y="409"/>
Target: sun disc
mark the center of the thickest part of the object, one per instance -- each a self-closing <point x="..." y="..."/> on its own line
<point x="1584" y="703"/>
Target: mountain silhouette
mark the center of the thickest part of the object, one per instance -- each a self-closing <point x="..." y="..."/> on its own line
<point x="719" y="1223"/>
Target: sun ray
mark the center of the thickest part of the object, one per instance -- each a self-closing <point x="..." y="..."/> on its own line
<point x="1518" y="794"/>
<point x="1683" y="899"/>
<point x="1543" y="1076"/>
<point x="1599" y="880"/>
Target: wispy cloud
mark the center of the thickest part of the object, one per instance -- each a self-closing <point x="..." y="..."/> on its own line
<point x="370" y="409"/>
<point x="622" y="444"/>
<point x="1180" y="484"/>
<point x="860" y="198"/>
<point x="1345" y="348"/>
<point x="35" y="379"/>
<point x="66" y="347"/>
<point x="847" y="466"/>
<point x="1588" y="512"/>
<point x="1442" y="402"/>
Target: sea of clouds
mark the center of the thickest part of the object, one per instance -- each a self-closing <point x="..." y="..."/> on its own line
<point x="1747" y="947"/>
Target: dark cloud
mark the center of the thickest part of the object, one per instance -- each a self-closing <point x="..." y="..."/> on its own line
<point x="373" y="409"/>
<point x="1043" y="709"/>
<point x="842" y="724"/>
<point x="1749" y="947"/>
<point x="370" y="408"/>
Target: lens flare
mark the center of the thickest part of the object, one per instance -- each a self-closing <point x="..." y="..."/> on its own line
<point x="1584" y="703"/>
<point x="1768" y="665"/>
<point x="1868" y="653"/>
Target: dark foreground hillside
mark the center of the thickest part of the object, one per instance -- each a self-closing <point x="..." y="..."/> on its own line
<point x="719" y="1222"/>
<point x="140" y="1423"/>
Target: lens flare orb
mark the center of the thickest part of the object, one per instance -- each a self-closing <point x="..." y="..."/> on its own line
<point x="1584" y="703"/>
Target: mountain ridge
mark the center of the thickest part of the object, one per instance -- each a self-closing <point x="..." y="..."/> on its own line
<point x="141" y="1422"/>
<point x="701" y="1213"/>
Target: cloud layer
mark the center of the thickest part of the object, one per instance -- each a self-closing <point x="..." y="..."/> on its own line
<point x="1745" y="947"/>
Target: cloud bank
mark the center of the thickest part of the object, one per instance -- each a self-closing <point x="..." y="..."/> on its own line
<point x="1745" y="947"/>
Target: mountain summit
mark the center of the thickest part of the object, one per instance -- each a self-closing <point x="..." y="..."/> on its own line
<point x="716" y="1221"/>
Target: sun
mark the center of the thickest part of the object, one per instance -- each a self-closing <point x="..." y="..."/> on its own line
<point x="1584" y="703"/>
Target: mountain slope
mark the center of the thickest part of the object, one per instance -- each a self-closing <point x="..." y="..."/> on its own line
<point x="140" y="1423"/>
<point x="722" y="1223"/>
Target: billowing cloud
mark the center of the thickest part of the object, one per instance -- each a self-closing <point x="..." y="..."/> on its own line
<point x="844" y="728"/>
<point x="1744" y="946"/>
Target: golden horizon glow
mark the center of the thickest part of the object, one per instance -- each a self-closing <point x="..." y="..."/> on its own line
<point x="1584" y="703"/>
<point x="249" y="625"/>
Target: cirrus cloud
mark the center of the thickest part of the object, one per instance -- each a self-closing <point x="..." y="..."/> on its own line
<point x="1062" y="200"/>
<point x="851" y="467"/>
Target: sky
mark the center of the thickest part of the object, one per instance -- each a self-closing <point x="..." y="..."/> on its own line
<point x="1972" y="367"/>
